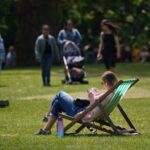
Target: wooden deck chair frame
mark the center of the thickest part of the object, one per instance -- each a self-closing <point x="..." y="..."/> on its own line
<point x="107" y="122"/>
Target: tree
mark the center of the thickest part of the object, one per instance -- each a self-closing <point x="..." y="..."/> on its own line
<point x="22" y="20"/>
<point x="31" y="14"/>
<point x="132" y="16"/>
<point x="8" y="21"/>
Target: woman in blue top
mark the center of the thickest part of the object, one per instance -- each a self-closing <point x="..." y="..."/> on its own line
<point x="109" y="47"/>
<point x="69" y="33"/>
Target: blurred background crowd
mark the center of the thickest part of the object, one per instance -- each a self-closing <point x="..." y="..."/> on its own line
<point x="21" y="21"/>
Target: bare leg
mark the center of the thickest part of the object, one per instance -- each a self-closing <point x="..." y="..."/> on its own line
<point x="50" y="123"/>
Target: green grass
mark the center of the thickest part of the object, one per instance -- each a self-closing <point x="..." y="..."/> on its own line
<point x="29" y="101"/>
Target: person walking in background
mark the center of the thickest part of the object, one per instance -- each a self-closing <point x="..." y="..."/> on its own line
<point x="10" y="57"/>
<point x="109" y="47"/>
<point x="45" y="48"/>
<point x="69" y="33"/>
<point x="2" y="52"/>
<point x="66" y="35"/>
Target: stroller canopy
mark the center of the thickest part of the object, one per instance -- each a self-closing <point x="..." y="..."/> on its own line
<point x="72" y="53"/>
<point x="71" y="49"/>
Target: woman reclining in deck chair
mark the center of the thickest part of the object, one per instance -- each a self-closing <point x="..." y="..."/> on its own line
<point x="63" y="102"/>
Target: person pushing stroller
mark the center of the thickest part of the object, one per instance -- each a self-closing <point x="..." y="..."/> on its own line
<point x="69" y="40"/>
<point x="74" y="64"/>
<point x="69" y="33"/>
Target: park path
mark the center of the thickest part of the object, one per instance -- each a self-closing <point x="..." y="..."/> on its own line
<point x="51" y="96"/>
<point x="135" y="92"/>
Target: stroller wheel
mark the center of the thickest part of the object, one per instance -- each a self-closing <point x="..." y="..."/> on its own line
<point x="84" y="81"/>
<point x="63" y="81"/>
<point x="66" y="82"/>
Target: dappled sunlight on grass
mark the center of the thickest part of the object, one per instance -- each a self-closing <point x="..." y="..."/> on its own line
<point x="29" y="101"/>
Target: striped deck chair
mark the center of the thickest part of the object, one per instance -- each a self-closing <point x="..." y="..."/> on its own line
<point x="105" y="123"/>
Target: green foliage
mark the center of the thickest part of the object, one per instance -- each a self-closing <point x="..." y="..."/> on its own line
<point x="8" y="20"/>
<point x="132" y="15"/>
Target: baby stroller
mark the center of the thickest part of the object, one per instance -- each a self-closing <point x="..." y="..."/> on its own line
<point x="74" y="64"/>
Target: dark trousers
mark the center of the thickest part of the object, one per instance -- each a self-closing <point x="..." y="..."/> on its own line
<point x="46" y="69"/>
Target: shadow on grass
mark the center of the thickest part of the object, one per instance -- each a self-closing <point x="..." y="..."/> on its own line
<point x="4" y="86"/>
<point x="51" y="86"/>
<point x="99" y="135"/>
<point x="88" y="135"/>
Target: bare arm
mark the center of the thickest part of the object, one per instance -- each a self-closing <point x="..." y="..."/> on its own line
<point x="99" y="56"/>
<point x="37" y="50"/>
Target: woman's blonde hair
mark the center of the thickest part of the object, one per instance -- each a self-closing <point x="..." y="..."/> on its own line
<point x="109" y="77"/>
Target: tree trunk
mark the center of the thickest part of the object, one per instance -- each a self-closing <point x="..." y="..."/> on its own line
<point x="31" y="15"/>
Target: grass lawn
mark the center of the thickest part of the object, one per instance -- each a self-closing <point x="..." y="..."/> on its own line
<point x="29" y="101"/>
